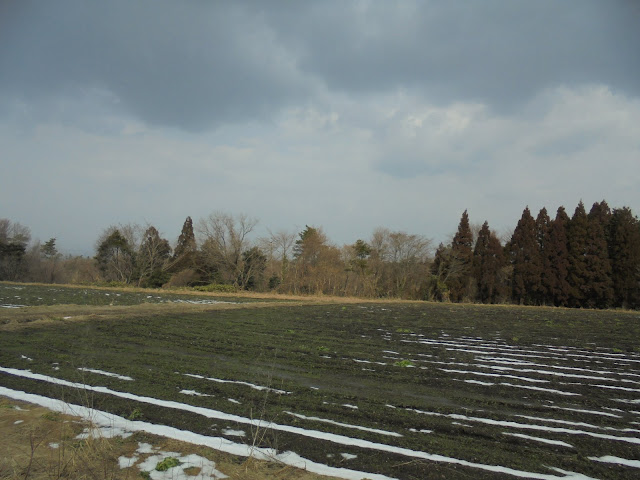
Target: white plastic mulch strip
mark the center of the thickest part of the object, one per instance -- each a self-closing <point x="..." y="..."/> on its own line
<point x="107" y="374"/>
<point x="331" y="437"/>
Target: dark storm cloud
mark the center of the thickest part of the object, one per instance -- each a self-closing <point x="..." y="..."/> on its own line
<point x="188" y="64"/>
<point x="196" y="64"/>
<point x="498" y="52"/>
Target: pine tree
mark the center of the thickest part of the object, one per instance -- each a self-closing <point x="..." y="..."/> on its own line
<point x="461" y="260"/>
<point x="578" y="274"/>
<point x="624" y="253"/>
<point x="526" y="283"/>
<point x="488" y="261"/>
<point x="557" y="260"/>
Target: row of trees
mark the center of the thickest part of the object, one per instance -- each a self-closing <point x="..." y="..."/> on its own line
<point x="21" y="260"/>
<point x="589" y="260"/>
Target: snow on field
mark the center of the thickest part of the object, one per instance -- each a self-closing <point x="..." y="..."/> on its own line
<point x="207" y="467"/>
<point x="105" y="419"/>
<point x="617" y="460"/>
<point x="539" y="439"/>
<point x="289" y="458"/>
<point x="200" y="302"/>
<point x="107" y="374"/>
<point x="528" y="426"/>
<point x="238" y="382"/>
<point x="194" y="393"/>
<point x="341" y="424"/>
<point x="486" y="364"/>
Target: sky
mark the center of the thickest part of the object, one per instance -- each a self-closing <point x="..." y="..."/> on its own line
<point x="345" y="115"/>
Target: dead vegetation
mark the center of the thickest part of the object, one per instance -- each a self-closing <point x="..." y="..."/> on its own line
<point x="38" y="444"/>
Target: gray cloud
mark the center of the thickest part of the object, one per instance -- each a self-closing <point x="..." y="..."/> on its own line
<point x="198" y="64"/>
<point x="171" y="63"/>
<point x="497" y="52"/>
<point x="348" y="115"/>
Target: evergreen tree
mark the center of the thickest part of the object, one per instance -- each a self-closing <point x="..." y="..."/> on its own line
<point x="116" y="258"/>
<point x="543" y="232"/>
<point x="13" y="247"/>
<point x="153" y="254"/>
<point x="49" y="250"/>
<point x="253" y="267"/>
<point x="461" y="261"/>
<point x="184" y="255"/>
<point x="624" y="253"/>
<point x="598" y="289"/>
<point x="557" y="260"/>
<point x="488" y="261"/>
<point x="578" y="274"/>
<point x="438" y="289"/>
<point x="526" y="284"/>
<point x="601" y="212"/>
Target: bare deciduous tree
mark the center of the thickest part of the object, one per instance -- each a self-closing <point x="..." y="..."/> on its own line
<point x="224" y="238"/>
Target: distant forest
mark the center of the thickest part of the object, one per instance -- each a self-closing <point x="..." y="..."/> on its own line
<point x="588" y="260"/>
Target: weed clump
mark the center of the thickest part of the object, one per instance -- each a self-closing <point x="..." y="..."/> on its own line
<point x="403" y="363"/>
<point x="167" y="463"/>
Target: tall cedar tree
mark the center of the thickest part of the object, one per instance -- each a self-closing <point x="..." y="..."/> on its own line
<point x="601" y="212"/>
<point x="599" y="287"/>
<point x="184" y="255"/>
<point x="461" y="260"/>
<point x="543" y="232"/>
<point x="526" y="283"/>
<point x="624" y="253"/>
<point x="557" y="259"/>
<point x="488" y="260"/>
<point x="577" y="234"/>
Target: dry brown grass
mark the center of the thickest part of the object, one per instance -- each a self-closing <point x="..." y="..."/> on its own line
<point x="28" y="437"/>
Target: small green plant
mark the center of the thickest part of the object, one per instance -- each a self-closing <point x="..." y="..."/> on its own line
<point x="403" y="363"/>
<point x="167" y="463"/>
<point x="403" y="330"/>
<point x="135" y="414"/>
<point x="323" y="349"/>
<point x="146" y="475"/>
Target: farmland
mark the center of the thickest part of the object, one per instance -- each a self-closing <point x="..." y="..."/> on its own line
<point x="404" y="390"/>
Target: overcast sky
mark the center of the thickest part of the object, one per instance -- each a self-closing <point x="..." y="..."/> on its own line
<point x="347" y="115"/>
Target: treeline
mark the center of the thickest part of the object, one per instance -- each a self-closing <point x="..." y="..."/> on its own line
<point x="589" y="260"/>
